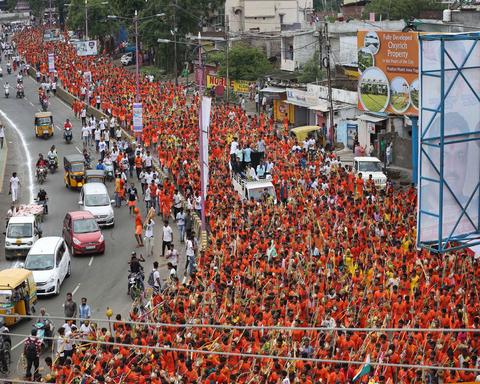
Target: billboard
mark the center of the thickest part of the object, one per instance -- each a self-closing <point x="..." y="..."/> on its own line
<point x="238" y="86"/>
<point x="449" y="141"/>
<point x="52" y="35"/>
<point x="51" y="62"/>
<point x="86" y="48"/>
<point x="388" y="72"/>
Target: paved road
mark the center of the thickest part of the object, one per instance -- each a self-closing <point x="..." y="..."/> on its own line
<point x="102" y="279"/>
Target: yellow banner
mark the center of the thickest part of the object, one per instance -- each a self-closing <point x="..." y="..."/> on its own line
<point x="240" y="86"/>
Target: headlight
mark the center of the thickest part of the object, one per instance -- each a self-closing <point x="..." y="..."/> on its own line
<point x="100" y="240"/>
<point x="76" y="241"/>
<point x="30" y="243"/>
<point x="51" y="279"/>
<point x="8" y="243"/>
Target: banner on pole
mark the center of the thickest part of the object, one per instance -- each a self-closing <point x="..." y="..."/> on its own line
<point x="86" y="48"/>
<point x="205" y="125"/>
<point x="137" y="117"/>
<point x="51" y="62"/>
<point x="52" y="35"/>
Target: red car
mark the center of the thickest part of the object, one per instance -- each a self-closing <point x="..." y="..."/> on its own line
<point x="82" y="234"/>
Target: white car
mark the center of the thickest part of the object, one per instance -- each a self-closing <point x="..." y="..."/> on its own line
<point x="127" y="58"/>
<point x="94" y="198"/>
<point x="370" y="166"/>
<point x="49" y="260"/>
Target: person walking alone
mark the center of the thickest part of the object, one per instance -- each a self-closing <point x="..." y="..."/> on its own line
<point x="149" y="237"/>
<point x="85" y="311"/>
<point x="14" y="187"/>
<point x="70" y="308"/>
<point x="2" y="135"/>
<point x="167" y="236"/>
<point x="32" y="349"/>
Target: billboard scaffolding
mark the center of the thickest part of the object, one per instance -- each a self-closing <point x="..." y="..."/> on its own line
<point x="449" y="142"/>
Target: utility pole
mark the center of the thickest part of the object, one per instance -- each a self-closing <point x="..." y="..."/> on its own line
<point x="200" y="118"/>
<point x="320" y="45"/>
<point x="329" y="75"/>
<point x="137" y="79"/>
<point x="86" y="19"/>
<point x="227" y="33"/>
<point x="175" y="69"/>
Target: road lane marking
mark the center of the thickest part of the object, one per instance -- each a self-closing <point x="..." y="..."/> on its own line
<point x="79" y="151"/>
<point x="18" y="344"/>
<point x="4" y="157"/>
<point x="27" y="152"/>
<point x="76" y="289"/>
<point x="31" y="103"/>
<point x="56" y="126"/>
<point x="90" y="262"/>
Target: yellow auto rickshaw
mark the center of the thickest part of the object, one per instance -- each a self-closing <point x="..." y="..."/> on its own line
<point x="74" y="171"/>
<point x="44" y="124"/>
<point x="301" y="133"/>
<point x="18" y="294"/>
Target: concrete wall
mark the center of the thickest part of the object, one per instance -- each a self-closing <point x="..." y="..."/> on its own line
<point x="466" y="17"/>
<point x="270" y="45"/>
<point x="304" y="48"/>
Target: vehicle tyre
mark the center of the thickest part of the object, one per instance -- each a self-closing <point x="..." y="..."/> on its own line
<point x="8" y="257"/>
<point x="72" y="251"/>
<point x="69" y="270"/>
<point x="57" y="288"/>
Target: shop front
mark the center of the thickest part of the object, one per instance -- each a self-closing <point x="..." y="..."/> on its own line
<point x="369" y="128"/>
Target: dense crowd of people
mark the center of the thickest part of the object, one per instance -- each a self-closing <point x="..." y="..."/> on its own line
<point x="334" y="252"/>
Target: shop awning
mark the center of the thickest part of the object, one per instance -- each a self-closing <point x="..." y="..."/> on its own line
<point x="298" y="103"/>
<point x="324" y="106"/>
<point x="273" y="90"/>
<point x="371" y="118"/>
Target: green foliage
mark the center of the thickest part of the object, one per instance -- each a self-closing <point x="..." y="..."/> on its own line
<point x="37" y="7"/>
<point x="399" y="9"/>
<point x="311" y="71"/>
<point x="11" y="4"/>
<point x="98" y="25"/>
<point x="245" y="62"/>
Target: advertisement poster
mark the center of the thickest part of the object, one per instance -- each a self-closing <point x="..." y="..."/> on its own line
<point x="137" y="117"/>
<point x="52" y="35"/>
<point x="51" y="62"/>
<point x="86" y="48"/>
<point x="239" y="86"/>
<point x="388" y="72"/>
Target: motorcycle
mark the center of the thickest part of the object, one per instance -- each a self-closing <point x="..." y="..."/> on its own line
<point x="108" y="170"/>
<point x="20" y="93"/>
<point x="135" y="285"/>
<point x="52" y="164"/>
<point x="9" y="70"/>
<point x="44" y="103"/>
<point x="87" y="160"/>
<point x="68" y="135"/>
<point x="41" y="174"/>
<point x="44" y="204"/>
<point x="7" y="93"/>
<point x="45" y="330"/>
<point x="5" y="350"/>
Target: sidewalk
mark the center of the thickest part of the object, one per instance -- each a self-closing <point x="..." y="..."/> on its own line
<point x="3" y="163"/>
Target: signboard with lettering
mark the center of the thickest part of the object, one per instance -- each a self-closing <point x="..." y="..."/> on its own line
<point x="388" y="70"/>
<point x="51" y="62"/>
<point x="86" y="48"/>
<point x="137" y="117"/>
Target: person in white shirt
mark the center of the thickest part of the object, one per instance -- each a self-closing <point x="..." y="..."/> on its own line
<point x="85" y="329"/>
<point x="85" y="135"/>
<point x="149" y="238"/>
<point x="177" y="203"/>
<point x="233" y="150"/>
<point x="167" y="236"/>
<point x="97" y="136"/>
<point x="14" y="187"/>
<point x="172" y="255"/>
<point x="190" y="255"/>
<point x="180" y="217"/>
<point x="156" y="277"/>
<point x="102" y="147"/>
<point x="148" y="161"/>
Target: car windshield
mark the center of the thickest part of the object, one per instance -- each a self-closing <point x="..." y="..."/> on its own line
<point x="43" y="120"/>
<point x="77" y="167"/>
<point x="5" y="296"/>
<point x="96" y="200"/>
<point x="19" y="230"/>
<point x="85" y="226"/>
<point x="39" y="262"/>
<point x="370" y="166"/>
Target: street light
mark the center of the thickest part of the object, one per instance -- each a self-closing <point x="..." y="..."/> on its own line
<point x="135" y="20"/>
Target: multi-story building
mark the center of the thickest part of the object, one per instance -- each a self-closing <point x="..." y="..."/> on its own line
<point x="266" y="15"/>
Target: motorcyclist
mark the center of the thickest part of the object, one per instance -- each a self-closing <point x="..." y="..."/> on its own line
<point x="1" y="72"/>
<point x="67" y="124"/>
<point x="42" y="198"/>
<point x="100" y="166"/>
<point x="41" y="163"/>
<point x="19" y="78"/>
<point x="6" y="87"/>
<point x="52" y="154"/>
<point x="9" y="67"/>
<point x="44" y="319"/>
<point x="135" y="267"/>
<point x="86" y="157"/>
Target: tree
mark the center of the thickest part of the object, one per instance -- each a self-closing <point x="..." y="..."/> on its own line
<point x="399" y="9"/>
<point x="98" y="26"/>
<point x="245" y="62"/>
<point x="37" y="7"/>
<point x="311" y="71"/>
<point x="11" y="4"/>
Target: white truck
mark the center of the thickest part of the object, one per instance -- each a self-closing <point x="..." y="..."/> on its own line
<point x="370" y="166"/>
<point x="253" y="189"/>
